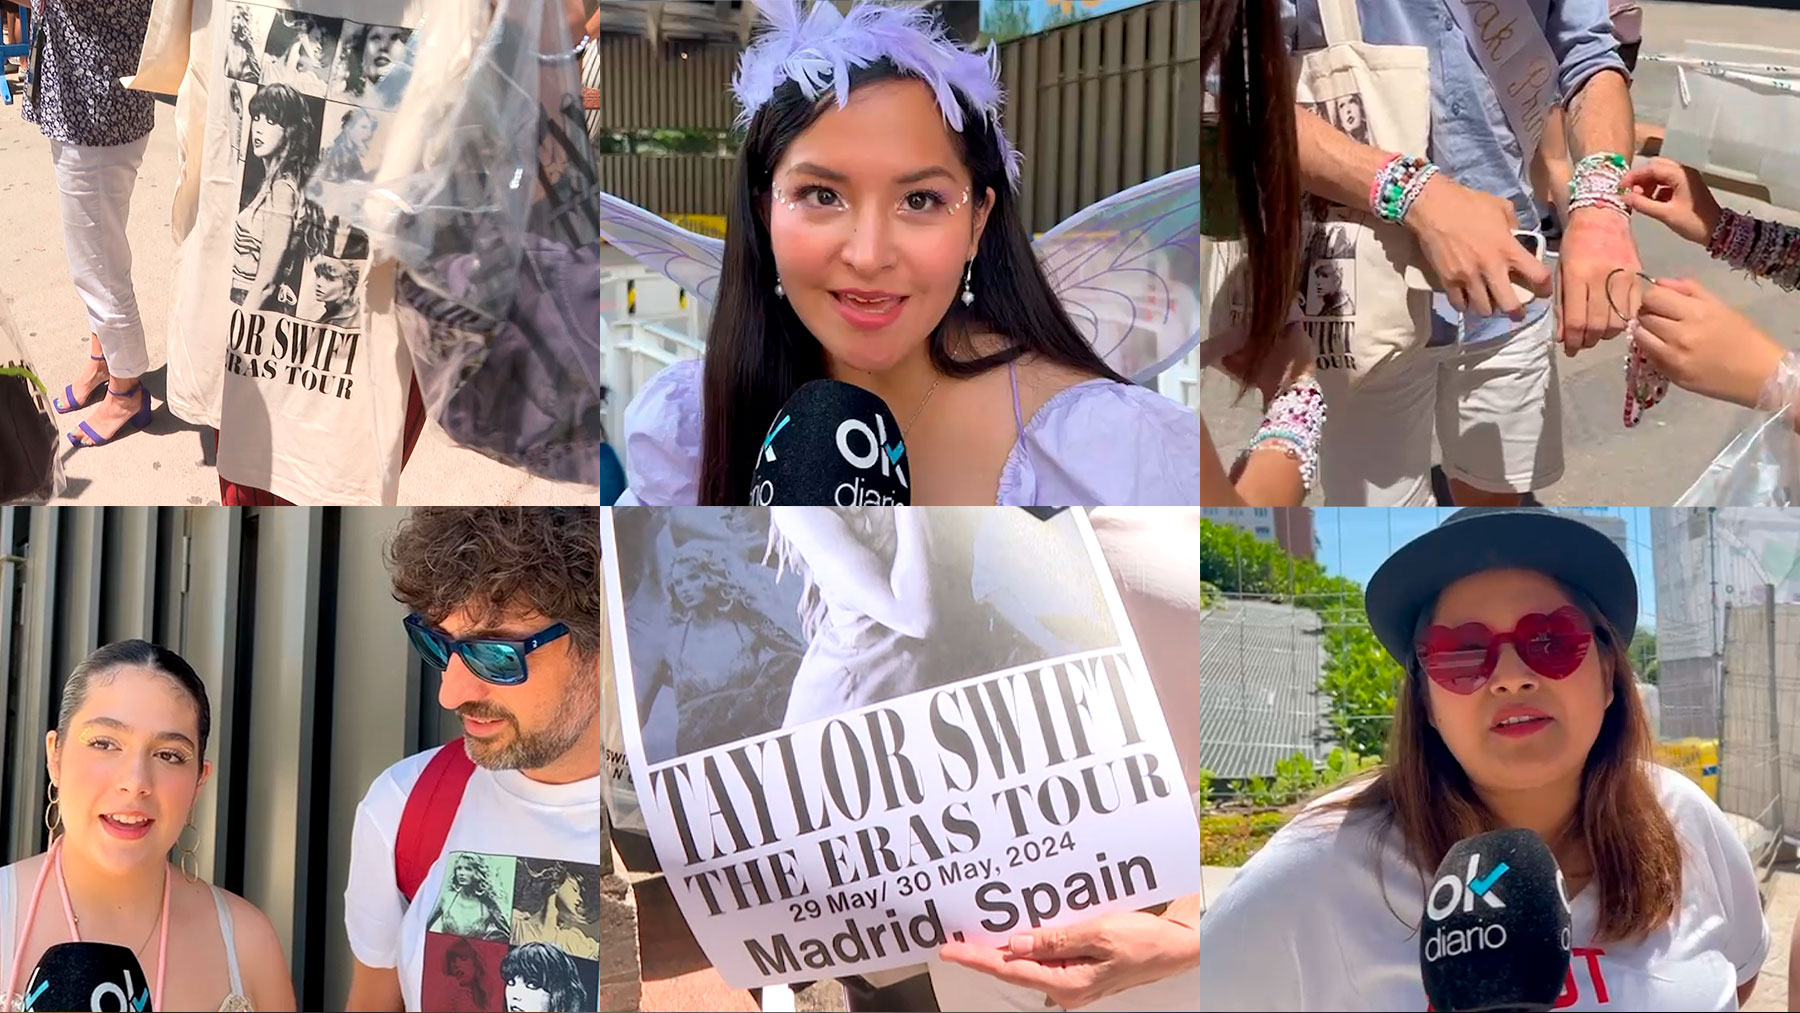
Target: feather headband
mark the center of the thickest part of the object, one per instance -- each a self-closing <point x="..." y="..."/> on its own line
<point x="817" y="50"/>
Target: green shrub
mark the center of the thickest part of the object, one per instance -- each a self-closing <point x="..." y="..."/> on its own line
<point x="1358" y="675"/>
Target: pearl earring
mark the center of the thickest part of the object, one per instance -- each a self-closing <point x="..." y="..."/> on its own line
<point x="968" y="294"/>
<point x="780" y="293"/>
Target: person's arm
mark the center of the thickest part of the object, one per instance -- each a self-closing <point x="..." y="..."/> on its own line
<point x="1269" y="478"/>
<point x="1466" y="236"/>
<point x="1597" y="120"/>
<point x="374" y="990"/>
<point x="268" y="983"/>
<point x="850" y="575"/>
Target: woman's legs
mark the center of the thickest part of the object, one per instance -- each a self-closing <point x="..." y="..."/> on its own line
<point x="94" y="185"/>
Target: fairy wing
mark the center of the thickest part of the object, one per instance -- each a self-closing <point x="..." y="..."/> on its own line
<point x="1127" y="269"/>
<point x="689" y="259"/>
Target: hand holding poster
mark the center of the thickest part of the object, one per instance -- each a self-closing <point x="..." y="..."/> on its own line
<point x="857" y="734"/>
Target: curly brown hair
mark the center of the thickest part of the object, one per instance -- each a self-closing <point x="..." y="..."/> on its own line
<point x="498" y="561"/>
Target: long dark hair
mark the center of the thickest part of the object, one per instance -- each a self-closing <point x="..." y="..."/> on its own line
<point x="1424" y="793"/>
<point x="1260" y="156"/>
<point x="757" y="350"/>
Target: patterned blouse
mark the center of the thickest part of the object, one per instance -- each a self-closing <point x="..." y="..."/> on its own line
<point x="88" y="46"/>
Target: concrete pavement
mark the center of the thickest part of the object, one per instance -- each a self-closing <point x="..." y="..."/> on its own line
<point x="1605" y="463"/>
<point x="170" y="463"/>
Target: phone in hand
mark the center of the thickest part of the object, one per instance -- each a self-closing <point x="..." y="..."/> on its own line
<point x="1533" y="242"/>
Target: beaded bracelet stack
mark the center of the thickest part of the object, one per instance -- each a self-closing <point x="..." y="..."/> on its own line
<point x="1293" y="423"/>
<point x="1398" y="185"/>
<point x="1599" y="182"/>
<point x="1764" y="249"/>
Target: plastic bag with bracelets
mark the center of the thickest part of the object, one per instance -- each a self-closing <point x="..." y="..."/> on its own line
<point x="1760" y="467"/>
<point x="487" y="199"/>
<point x="30" y="459"/>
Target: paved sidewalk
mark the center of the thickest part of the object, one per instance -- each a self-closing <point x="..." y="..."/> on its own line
<point x="170" y="463"/>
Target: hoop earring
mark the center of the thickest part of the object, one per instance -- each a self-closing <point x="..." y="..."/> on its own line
<point x="780" y="293"/>
<point x="49" y="825"/>
<point x="968" y="294"/>
<point x="187" y="854"/>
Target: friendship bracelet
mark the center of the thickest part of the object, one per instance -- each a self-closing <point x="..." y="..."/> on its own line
<point x="1645" y="385"/>
<point x="1293" y="424"/>
<point x="1398" y="186"/>
<point x="1764" y="249"/>
<point x="1599" y="182"/>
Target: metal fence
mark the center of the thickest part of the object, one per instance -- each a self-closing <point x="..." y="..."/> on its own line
<point x="1095" y="107"/>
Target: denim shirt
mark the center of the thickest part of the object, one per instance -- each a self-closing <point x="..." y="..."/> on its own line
<point x="1470" y="138"/>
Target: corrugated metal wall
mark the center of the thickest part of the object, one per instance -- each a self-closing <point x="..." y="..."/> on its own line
<point x="1095" y="107"/>
<point x="1102" y="105"/>
<point x="288" y="615"/>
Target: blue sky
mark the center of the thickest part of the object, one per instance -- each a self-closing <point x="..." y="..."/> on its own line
<point x="1354" y="541"/>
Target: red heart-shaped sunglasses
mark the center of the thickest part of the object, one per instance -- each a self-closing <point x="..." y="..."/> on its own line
<point x="1463" y="659"/>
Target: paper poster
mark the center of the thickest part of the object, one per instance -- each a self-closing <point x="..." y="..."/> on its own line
<point x="857" y="733"/>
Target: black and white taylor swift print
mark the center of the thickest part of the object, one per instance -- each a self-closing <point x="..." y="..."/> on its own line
<point x="747" y="620"/>
<point x="302" y="96"/>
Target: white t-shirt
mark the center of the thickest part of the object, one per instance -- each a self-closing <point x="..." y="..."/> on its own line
<point x="1154" y="555"/>
<point x="1305" y="925"/>
<point x="468" y="944"/>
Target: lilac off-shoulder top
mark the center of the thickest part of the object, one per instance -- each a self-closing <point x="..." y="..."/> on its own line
<point x="1096" y="443"/>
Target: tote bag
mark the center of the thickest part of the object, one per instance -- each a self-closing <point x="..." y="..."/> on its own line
<point x="1362" y="298"/>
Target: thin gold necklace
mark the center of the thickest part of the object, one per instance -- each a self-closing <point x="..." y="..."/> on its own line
<point x="922" y="402"/>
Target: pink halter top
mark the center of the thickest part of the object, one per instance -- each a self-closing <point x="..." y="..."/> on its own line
<point x="54" y="859"/>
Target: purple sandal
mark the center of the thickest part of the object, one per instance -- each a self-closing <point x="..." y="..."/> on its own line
<point x="66" y="404"/>
<point x="139" y="420"/>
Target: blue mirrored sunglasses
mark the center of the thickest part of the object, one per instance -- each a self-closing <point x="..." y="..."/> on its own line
<point x="501" y="662"/>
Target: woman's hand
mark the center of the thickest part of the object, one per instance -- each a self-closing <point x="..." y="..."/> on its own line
<point x="1077" y="965"/>
<point x="1291" y="359"/>
<point x="1704" y="345"/>
<point x="1675" y="195"/>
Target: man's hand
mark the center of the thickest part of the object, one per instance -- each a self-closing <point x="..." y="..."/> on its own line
<point x="1595" y="242"/>
<point x="1077" y="965"/>
<point x="1703" y="345"/>
<point x="1675" y="195"/>
<point x="1468" y="239"/>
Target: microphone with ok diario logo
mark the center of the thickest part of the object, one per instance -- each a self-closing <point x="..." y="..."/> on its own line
<point x="1495" y="936"/>
<point x="95" y="977"/>
<point x="832" y="444"/>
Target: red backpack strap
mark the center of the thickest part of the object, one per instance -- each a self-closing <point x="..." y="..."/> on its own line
<point x="430" y="810"/>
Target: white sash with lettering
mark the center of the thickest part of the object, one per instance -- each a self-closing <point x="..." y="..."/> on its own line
<point x="1511" y="47"/>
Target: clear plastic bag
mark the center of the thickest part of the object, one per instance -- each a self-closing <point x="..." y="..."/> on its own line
<point x="30" y="459"/>
<point x="487" y="199"/>
<point x="1759" y="468"/>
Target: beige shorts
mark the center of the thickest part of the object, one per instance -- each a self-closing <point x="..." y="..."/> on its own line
<point x="1496" y="412"/>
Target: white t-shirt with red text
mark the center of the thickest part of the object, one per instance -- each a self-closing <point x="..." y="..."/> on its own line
<point x="1306" y="925"/>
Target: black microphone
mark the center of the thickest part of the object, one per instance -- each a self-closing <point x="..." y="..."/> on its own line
<point x="94" y="977"/>
<point x="832" y="444"/>
<point x="1495" y="936"/>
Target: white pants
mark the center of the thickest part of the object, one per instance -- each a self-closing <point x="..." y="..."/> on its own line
<point x="96" y="185"/>
<point x="1496" y="412"/>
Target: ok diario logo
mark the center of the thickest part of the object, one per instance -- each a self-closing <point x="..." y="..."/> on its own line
<point x="1452" y="892"/>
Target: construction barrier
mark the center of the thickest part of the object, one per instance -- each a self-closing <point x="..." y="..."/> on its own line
<point x="1697" y="758"/>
